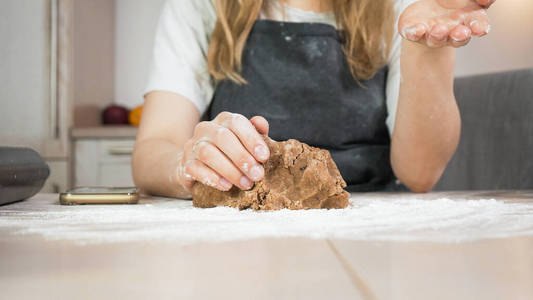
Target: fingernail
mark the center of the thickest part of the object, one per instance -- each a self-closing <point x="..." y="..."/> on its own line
<point x="256" y="172"/>
<point x="409" y="32"/>
<point x="458" y="39"/>
<point x="404" y="31"/>
<point x="438" y="36"/>
<point x="261" y="152"/>
<point x="207" y="181"/>
<point x="245" y="182"/>
<point x="225" y="184"/>
<point x="461" y="39"/>
<point x="487" y="30"/>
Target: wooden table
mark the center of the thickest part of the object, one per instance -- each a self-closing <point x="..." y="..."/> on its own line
<point x="33" y="267"/>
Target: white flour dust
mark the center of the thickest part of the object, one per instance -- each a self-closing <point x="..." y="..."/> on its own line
<point x="379" y="219"/>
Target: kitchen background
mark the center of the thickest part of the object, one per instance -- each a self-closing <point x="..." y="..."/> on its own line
<point x="58" y="74"/>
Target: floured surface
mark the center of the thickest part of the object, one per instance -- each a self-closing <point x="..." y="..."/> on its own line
<point x="379" y="217"/>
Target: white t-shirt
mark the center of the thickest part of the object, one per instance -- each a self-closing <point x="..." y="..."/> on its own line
<point x="179" y="62"/>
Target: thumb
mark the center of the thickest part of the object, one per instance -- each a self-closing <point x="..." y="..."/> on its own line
<point x="486" y="3"/>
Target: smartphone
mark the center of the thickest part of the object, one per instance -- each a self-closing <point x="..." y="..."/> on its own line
<point x="100" y="195"/>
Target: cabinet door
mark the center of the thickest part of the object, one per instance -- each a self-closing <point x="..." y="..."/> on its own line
<point x="115" y="163"/>
<point x="29" y="115"/>
<point x="103" y="162"/>
<point x="24" y="80"/>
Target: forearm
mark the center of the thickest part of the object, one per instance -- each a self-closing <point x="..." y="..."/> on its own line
<point x="427" y="125"/>
<point x="157" y="170"/>
<point x="168" y="121"/>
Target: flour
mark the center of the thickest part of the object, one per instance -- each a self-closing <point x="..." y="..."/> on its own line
<point x="378" y="219"/>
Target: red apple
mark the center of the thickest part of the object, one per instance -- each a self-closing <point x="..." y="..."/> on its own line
<point x="115" y="115"/>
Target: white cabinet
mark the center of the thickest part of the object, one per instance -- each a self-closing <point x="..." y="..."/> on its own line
<point x="101" y="159"/>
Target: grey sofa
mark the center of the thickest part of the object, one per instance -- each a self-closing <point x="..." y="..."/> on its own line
<point x="496" y="148"/>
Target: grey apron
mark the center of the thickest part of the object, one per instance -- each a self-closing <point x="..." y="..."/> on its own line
<point x="299" y="80"/>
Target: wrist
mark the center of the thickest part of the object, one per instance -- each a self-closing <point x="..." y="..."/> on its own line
<point x="422" y="51"/>
<point x="426" y="77"/>
<point x="179" y="178"/>
<point x="434" y="66"/>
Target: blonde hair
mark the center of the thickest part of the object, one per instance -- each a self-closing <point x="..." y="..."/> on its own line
<point x="367" y="27"/>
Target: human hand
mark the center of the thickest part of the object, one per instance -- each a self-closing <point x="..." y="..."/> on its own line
<point x="224" y="152"/>
<point x="439" y="23"/>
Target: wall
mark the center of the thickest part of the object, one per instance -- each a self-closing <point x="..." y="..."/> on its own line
<point x="94" y="59"/>
<point x="24" y="75"/>
<point x="136" y="21"/>
<point x="508" y="46"/>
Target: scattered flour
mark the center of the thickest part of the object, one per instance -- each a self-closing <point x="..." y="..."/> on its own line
<point x="379" y="219"/>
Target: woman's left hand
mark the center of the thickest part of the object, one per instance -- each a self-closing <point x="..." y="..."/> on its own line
<point x="439" y="23"/>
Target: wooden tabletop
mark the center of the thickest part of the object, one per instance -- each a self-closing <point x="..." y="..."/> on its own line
<point x="34" y="266"/>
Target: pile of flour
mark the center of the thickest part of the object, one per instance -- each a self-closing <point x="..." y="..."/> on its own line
<point x="379" y="219"/>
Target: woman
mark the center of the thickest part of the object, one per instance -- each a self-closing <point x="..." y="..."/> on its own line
<point x="324" y="72"/>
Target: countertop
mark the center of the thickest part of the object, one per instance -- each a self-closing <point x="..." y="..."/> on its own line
<point x="110" y="131"/>
<point x="55" y="264"/>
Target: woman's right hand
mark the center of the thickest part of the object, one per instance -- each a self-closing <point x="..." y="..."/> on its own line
<point x="224" y="152"/>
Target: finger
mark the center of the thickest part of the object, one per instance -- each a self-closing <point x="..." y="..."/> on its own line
<point x="260" y="124"/>
<point x="226" y="141"/>
<point x="413" y="32"/>
<point x="478" y="22"/>
<point x="438" y="36"/>
<point x="247" y="134"/>
<point x="210" y="155"/>
<point x="460" y="36"/>
<point x="202" y="173"/>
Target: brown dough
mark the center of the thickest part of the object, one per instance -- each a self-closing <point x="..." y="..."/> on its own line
<point x="297" y="176"/>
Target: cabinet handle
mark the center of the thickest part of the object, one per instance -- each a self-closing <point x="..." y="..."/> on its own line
<point x="118" y="150"/>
